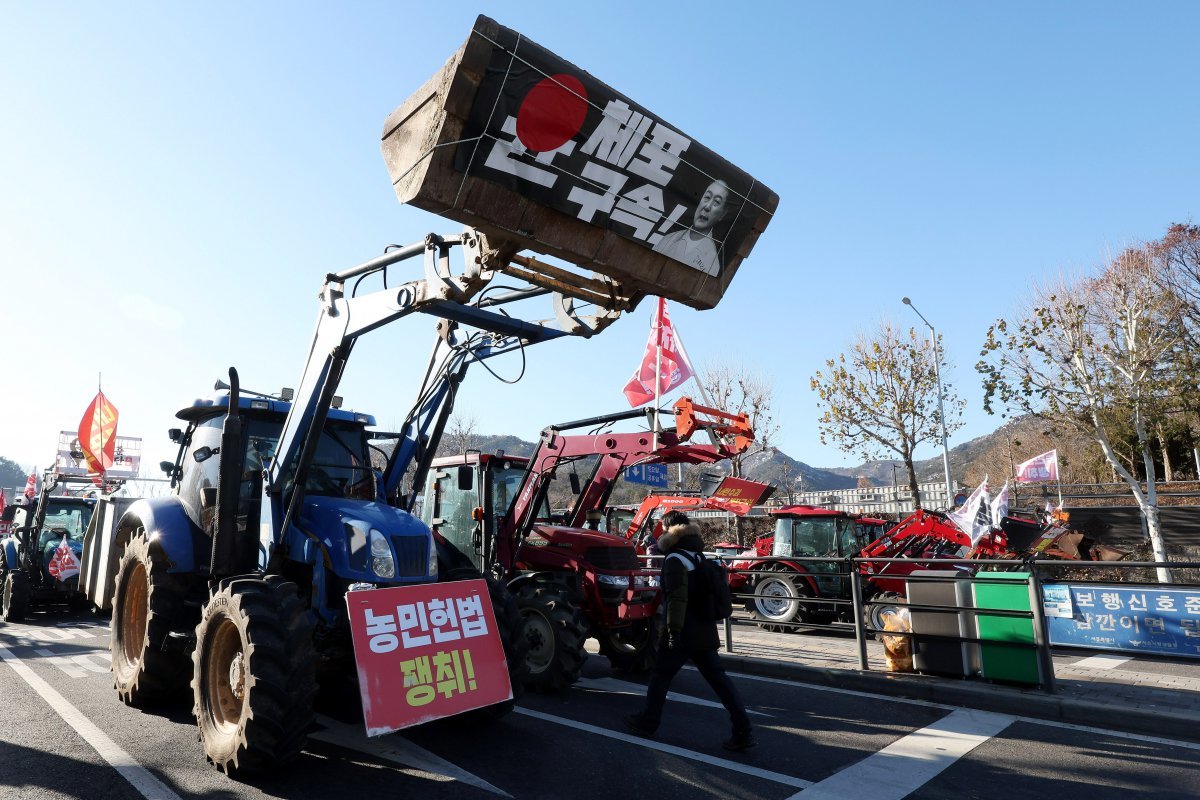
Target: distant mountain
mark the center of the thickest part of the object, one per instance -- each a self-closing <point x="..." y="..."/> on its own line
<point x="778" y="468"/>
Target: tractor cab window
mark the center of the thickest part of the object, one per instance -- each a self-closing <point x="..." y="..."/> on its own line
<point x="506" y="482"/>
<point x="849" y="537"/>
<point x="869" y="532"/>
<point x="341" y="466"/>
<point x="449" y="511"/>
<point x="69" y="518"/>
<point x="617" y="520"/>
<point x="814" y="537"/>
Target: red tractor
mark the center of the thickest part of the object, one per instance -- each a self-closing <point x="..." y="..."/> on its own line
<point x="571" y="582"/>
<point x="732" y="495"/>
<point x="794" y="575"/>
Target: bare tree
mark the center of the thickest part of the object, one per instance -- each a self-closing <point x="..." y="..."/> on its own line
<point x="1090" y="351"/>
<point x="881" y="399"/>
<point x="1178" y="254"/>
<point x="460" y="434"/>
<point x="739" y="391"/>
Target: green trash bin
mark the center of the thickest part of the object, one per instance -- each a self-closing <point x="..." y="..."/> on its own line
<point x="1001" y="657"/>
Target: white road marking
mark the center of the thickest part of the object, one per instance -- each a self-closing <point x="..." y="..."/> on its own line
<point x="138" y="776"/>
<point x="398" y="750"/>
<point x="76" y="666"/>
<point x="909" y="763"/>
<point x="1101" y="662"/>
<point x="651" y="744"/>
<point x="60" y="634"/>
<point x="614" y="686"/>
<point x="1070" y="726"/>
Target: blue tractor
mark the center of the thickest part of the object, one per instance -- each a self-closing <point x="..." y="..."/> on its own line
<point x="282" y="504"/>
<point x="29" y="572"/>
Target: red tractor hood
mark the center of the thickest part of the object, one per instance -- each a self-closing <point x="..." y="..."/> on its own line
<point x="560" y="535"/>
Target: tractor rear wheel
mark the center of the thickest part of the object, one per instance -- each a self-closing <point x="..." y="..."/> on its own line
<point x="776" y="604"/>
<point x="554" y="631"/>
<point x="254" y="674"/>
<point x="873" y="614"/>
<point x="14" y="593"/>
<point x="633" y="648"/>
<point x="146" y="600"/>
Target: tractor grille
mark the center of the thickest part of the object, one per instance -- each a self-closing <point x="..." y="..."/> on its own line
<point x="412" y="556"/>
<point x="614" y="559"/>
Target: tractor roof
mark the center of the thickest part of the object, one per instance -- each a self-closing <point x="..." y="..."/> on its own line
<point x="203" y="407"/>
<point x="808" y="511"/>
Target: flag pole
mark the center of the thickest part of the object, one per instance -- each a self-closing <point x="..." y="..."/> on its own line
<point x="1058" y="474"/>
<point x="658" y="368"/>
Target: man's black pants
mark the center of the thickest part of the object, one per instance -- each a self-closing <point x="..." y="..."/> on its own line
<point x="708" y="662"/>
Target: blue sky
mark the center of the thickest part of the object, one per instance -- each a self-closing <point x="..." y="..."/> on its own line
<point x="175" y="180"/>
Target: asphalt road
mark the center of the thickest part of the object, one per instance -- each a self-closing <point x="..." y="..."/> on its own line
<point x="64" y="734"/>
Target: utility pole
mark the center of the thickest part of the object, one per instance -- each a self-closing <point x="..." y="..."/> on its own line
<point x="937" y="375"/>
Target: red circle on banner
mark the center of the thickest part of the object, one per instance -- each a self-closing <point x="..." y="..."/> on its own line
<point x="552" y="113"/>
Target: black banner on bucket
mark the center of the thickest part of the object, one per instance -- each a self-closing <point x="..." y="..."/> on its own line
<point x="543" y="128"/>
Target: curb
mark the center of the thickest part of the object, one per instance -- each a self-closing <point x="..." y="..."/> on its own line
<point x="983" y="696"/>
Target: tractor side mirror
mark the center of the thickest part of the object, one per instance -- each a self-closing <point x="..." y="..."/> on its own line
<point x="466" y="478"/>
<point x="167" y="466"/>
<point x="574" y="481"/>
<point x="175" y="434"/>
<point x="204" y="453"/>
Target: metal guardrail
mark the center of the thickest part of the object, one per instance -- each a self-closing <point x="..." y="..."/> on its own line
<point x="852" y="602"/>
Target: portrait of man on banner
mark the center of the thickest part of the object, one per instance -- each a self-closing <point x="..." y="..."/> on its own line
<point x="697" y="245"/>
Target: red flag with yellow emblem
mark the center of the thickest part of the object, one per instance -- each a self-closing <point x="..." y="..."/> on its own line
<point x="98" y="436"/>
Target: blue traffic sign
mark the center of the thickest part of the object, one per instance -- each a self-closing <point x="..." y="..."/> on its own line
<point x="649" y="474"/>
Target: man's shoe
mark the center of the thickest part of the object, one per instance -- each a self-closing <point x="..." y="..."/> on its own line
<point x="739" y="742"/>
<point x="639" y="726"/>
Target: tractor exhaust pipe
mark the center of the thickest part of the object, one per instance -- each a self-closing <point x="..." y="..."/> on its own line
<point x="229" y="477"/>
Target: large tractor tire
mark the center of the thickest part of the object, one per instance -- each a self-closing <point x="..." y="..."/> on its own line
<point x="633" y="648"/>
<point x="554" y="630"/>
<point x="776" y="605"/>
<point x="146" y="599"/>
<point x="14" y="593"/>
<point x="873" y="614"/>
<point x="254" y="674"/>
<point x="511" y="628"/>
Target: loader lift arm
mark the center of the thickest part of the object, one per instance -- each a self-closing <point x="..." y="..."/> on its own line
<point x="732" y="435"/>
<point x="345" y="316"/>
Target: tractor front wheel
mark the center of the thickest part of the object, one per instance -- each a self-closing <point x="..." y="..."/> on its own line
<point x="145" y="601"/>
<point x="254" y="674"/>
<point x="14" y="593"/>
<point x="633" y="648"/>
<point x="874" y="614"/>
<point x="554" y="630"/>
<point x="776" y="604"/>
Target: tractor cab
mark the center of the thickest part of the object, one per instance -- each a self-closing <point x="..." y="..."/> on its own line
<point x="808" y="531"/>
<point x="64" y="516"/>
<point x="464" y="491"/>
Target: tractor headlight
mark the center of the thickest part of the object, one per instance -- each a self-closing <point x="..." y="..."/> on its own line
<point x="614" y="580"/>
<point x="382" y="563"/>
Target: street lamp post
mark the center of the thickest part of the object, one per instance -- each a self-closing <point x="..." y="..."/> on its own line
<point x="937" y="374"/>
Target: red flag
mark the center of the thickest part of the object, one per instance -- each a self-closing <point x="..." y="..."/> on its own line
<point x="98" y="436"/>
<point x="64" y="564"/>
<point x="1038" y="468"/>
<point x="664" y="350"/>
<point x="3" y="501"/>
<point x="31" y="488"/>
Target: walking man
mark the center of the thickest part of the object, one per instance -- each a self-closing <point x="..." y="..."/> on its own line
<point x="689" y="636"/>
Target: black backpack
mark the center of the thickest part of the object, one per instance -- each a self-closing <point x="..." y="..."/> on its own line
<point x="716" y="601"/>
